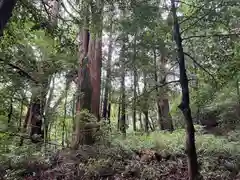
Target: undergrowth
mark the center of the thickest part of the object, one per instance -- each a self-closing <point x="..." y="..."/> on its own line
<point x="174" y="143"/>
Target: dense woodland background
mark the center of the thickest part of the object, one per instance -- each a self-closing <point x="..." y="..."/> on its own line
<point x="127" y="89"/>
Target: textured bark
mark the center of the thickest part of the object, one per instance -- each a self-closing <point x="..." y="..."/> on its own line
<point x="108" y="76"/>
<point x="6" y="8"/>
<point x="184" y="106"/>
<point x="95" y="57"/>
<point x="34" y="117"/>
<point x="164" y="116"/>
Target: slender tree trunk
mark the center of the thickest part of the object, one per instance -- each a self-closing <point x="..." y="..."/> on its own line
<point x="238" y="91"/>
<point x="119" y="115"/>
<point x="10" y="112"/>
<point x="197" y="95"/>
<point x="64" y="119"/>
<point x="20" y="117"/>
<point x="6" y="8"/>
<point x="184" y="106"/>
<point x="109" y="113"/>
<point x="145" y="106"/>
<point x="140" y="121"/>
<point x="146" y="122"/>
<point x="160" y="120"/>
<point x="108" y="77"/>
<point x="135" y="83"/>
<point x="150" y="123"/>
<point x="47" y="110"/>
<point x="73" y="112"/>
<point x="123" y="97"/>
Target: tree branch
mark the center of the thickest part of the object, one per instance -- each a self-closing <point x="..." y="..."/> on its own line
<point x="199" y="65"/>
<point x="202" y="17"/>
<point x="20" y="70"/>
<point x="212" y="35"/>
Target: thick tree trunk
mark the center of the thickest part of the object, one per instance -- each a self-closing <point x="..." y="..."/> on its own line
<point x="34" y="118"/>
<point x="95" y="57"/>
<point x="108" y="77"/>
<point x="164" y="116"/>
<point x="6" y="8"/>
<point x="184" y="106"/>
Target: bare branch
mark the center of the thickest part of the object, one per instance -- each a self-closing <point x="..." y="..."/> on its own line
<point x="211" y="35"/>
<point x="199" y="65"/>
<point x="72" y="16"/>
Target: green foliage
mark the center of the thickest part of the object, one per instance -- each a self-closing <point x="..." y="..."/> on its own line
<point x="173" y="143"/>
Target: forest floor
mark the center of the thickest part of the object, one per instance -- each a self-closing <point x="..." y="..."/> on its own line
<point x="118" y="163"/>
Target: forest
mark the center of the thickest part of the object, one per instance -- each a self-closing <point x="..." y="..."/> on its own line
<point x="119" y="90"/>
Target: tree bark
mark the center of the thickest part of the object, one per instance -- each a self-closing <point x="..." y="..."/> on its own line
<point x="146" y="106"/>
<point x="184" y="106"/>
<point x="119" y="114"/>
<point x="108" y="77"/>
<point x="160" y="121"/>
<point x="20" y="116"/>
<point x="53" y="11"/>
<point x="123" y="97"/>
<point x="134" y="85"/>
<point x="64" y="119"/>
<point x="95" y="57"/>
<point x="164" y="116"/>
<point x="10" y="112"/>
<point x="140" y="121"/>
<point x="6" y="8"/>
